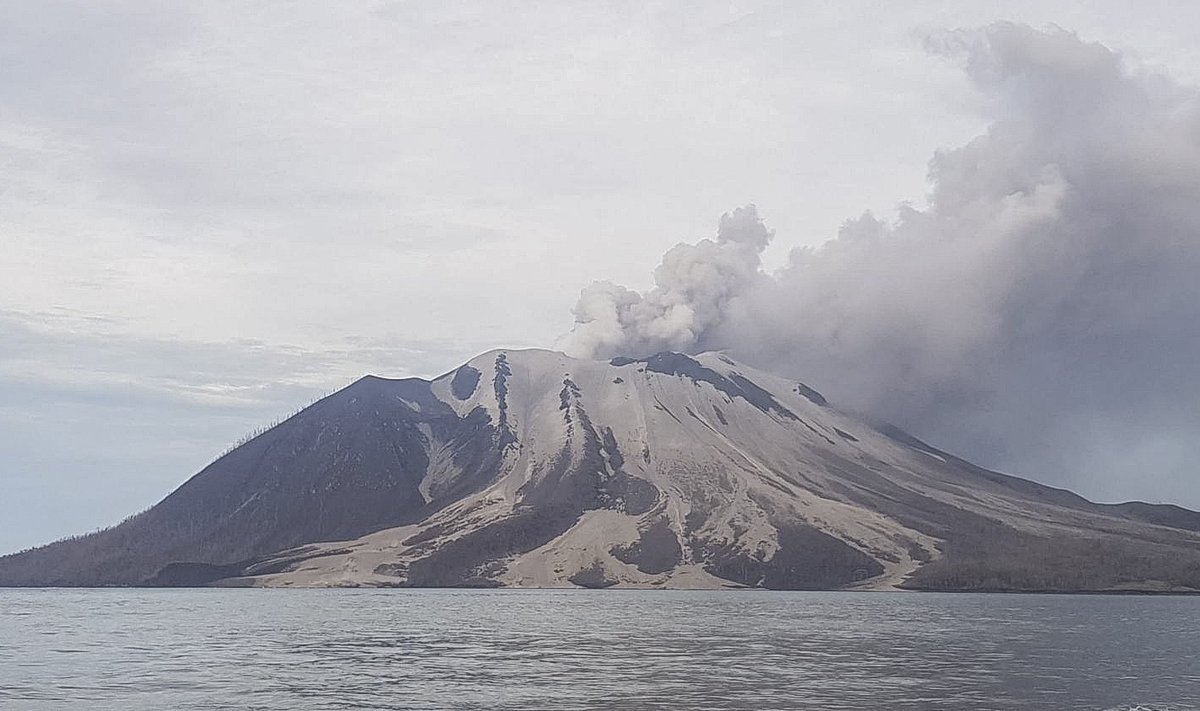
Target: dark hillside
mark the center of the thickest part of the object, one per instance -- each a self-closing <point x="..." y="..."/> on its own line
<point x="343" y="467"/>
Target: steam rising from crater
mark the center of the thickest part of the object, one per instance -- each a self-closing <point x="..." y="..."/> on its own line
<point x="695" y="285"/>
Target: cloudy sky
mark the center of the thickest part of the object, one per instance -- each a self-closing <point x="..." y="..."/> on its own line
<point x="212" y="213"/>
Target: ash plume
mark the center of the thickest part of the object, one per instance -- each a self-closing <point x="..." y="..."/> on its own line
<point x="1041" y="315"/>
<point x="694" y="287"/>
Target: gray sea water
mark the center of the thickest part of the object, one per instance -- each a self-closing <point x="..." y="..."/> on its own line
<point x="562" y="650"/>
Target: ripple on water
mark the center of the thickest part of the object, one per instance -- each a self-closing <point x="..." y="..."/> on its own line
<point x="587" y="650"/>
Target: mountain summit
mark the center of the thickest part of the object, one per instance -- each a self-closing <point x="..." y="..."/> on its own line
<point x="530" y="468"/>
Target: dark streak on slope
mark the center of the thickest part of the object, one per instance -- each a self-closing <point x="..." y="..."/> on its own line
<point x="465" y="380"/>
<point x="658" y="404"/>
<point x="807" y="559"/>
<point x="474" y="559"/>
<point x="895" y="433"/>
<point x="813" y="396"/>
<point x="505" y="437"/>
<point x="817" y="432"/>
<point x="735" y="385"/>
<point x="595" y="477"/>
<point x="593" y="576"/>
<point x="656" y="551"/>
<point x="551" y="504"/>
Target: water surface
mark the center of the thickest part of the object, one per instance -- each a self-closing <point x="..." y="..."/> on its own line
<point x="567" y="650"/>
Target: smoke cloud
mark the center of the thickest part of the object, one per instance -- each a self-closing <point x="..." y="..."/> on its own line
<point x="695" y="286"/>
<point x="1041" y="315"/>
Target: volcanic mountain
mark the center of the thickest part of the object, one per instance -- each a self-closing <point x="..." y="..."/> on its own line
<point x="530" y="468"/>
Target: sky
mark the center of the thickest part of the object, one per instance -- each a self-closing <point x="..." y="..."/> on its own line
<point x="212" y="214"/>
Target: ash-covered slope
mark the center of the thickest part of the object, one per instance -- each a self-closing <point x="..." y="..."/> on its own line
<point x="349" y="464"/>
<point x="531" y="468"/>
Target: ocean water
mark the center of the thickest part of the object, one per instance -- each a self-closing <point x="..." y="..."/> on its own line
<point x="580" y="649"/>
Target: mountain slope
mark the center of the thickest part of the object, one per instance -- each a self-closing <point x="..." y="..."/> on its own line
<point x="532" y="468"/>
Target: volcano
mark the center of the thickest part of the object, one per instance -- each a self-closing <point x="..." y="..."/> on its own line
<point x="528" y="468"/>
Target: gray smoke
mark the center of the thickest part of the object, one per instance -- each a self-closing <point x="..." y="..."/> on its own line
<point x="1041" y="315"/>
<point x="695" y="286"/>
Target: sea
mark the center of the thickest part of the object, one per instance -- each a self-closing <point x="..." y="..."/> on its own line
<point x="281" y="649"/>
